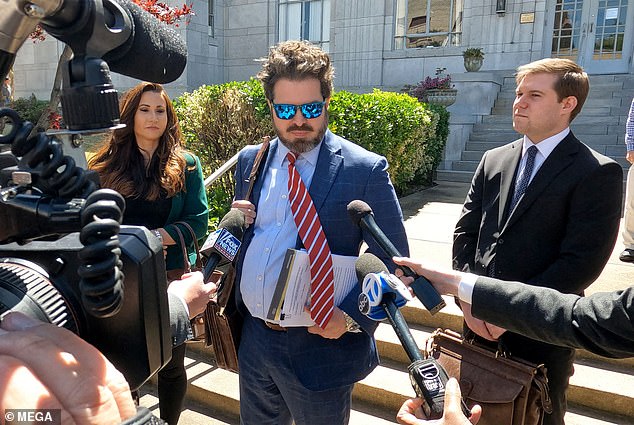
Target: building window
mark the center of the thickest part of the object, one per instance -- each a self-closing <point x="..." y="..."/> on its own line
<point x="210" y="21"/>
<point x="304" y="20"/>
<point x="428" y="23"/>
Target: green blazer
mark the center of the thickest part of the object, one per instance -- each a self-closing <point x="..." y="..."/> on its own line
<point x="189" y="205"/>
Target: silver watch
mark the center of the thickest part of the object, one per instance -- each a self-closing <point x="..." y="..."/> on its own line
<point x="351" y="324"/>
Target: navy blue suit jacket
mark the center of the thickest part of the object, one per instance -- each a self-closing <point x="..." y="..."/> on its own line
<point x="344" y="172"/>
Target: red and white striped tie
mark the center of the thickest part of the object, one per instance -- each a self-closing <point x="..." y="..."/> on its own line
<point x="322" y="286"/>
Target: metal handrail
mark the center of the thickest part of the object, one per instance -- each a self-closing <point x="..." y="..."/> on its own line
<point x="220" y="171"/>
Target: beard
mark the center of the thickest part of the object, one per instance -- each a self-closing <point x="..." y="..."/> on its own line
<point x="302" y="145"/>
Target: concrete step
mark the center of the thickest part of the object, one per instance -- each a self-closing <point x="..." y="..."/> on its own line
<point x="502" y="135"/>
<point x="472" y="155"/>
<point x="454" y="176"/>
<point x="465" y="166"/>
<point x="600" y="392"/>
<point x="482" y="145"/>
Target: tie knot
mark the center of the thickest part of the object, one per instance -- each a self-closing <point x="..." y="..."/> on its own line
<point x="291" y="157"/>
<point x="532" y="151"/>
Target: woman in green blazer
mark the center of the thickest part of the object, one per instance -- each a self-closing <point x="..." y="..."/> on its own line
<point x="162" y="185"/>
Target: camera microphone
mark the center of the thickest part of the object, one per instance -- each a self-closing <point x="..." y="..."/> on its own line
<point x="128" y="38"/>
<point x="223" y="244"/>
<point x="361" y="214"/>
<point x="132" y="41"/>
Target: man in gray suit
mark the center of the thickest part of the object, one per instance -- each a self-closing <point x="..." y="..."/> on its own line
<point x="601" y="323"/>
<point x="544" y="209"/>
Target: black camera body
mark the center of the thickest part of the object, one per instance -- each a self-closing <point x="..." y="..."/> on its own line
<point x="137" y="339"/>
<point x="65" y="258"/>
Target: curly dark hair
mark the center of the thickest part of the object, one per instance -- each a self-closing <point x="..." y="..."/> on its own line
<point x="296" y="60"/>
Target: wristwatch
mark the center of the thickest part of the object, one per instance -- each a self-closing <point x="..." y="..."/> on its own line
<point x="351" y="324"/>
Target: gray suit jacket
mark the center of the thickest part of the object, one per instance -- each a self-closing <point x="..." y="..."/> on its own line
<point x="179" y="321"/>
<point x="602" y="323"/>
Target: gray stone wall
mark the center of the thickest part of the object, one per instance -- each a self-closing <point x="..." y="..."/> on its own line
<point x="361" y="44"/>
<point x="250" y="28"/>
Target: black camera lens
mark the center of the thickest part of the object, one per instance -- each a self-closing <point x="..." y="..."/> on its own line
<point x="25" y="287"/>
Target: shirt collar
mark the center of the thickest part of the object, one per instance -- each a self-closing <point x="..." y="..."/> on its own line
<point x="310" y="157"/>
<point x="546" y="146"/>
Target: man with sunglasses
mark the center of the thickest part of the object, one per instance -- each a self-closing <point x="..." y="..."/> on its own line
<point x="305" y="374"/>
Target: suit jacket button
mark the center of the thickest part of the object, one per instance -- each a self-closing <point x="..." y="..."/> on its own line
<point x="501" y="241"/>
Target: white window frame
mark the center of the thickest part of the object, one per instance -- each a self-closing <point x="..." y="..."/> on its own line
<point x="211" y="19"/>
<point x="296" y="20"/>
<point x="451" y="37"/>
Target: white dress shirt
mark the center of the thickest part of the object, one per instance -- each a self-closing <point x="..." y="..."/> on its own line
<point x="544" y="149"/>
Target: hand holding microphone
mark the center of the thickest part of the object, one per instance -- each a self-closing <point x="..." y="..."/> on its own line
<point x="222" y="245"/>
<point x="428" y="377"/>
<point x="361" y="214"/>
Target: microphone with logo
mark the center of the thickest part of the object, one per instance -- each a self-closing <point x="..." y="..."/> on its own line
<point x="222" y="246"/>
<point x="361" y="214"/>
<point x="381" y="296"/>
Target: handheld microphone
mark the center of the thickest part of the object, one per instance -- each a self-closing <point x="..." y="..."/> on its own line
<point x="369" y="264"/>
<point x="361" y="214"/>
<point x="427" y="376"/>
<point x="223" y="244"/>
<point x="375" y="287"/>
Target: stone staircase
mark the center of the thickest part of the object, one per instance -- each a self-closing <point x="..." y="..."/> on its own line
<point x="601" y="124"/>
<point x="601" y="391"/>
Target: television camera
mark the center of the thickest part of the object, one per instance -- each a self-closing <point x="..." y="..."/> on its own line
<point x="63" y="250"/>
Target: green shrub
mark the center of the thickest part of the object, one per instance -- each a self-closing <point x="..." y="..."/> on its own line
<point x="29" y="109"/>
<point x="435" y="146"/>
<point x="217" y="121"/>
<point x="394" y="125"/>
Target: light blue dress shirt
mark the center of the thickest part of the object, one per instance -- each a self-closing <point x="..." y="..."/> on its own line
<point x="275" y="230"/>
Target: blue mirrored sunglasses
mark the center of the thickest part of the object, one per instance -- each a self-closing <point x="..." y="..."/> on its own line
<point x="309" y="110"/>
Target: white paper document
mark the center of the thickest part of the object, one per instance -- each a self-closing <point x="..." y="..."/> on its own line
<point x="292" y="292"/>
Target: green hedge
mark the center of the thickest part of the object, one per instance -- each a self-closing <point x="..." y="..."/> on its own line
<point x="394" y="125"/>
<point x="219" y="120"/>
<point x="29" y="109"/>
